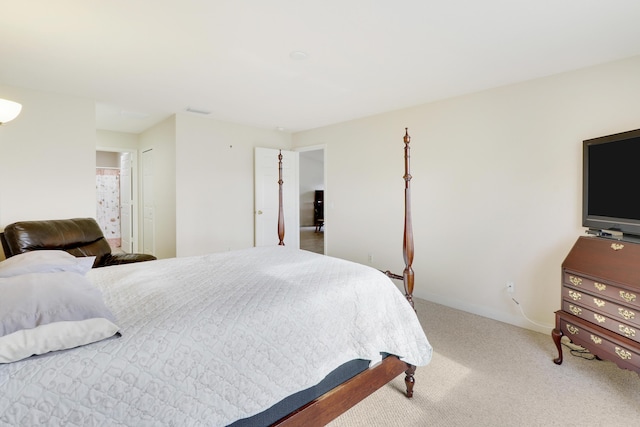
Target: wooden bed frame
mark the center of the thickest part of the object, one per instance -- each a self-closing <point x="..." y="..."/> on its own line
<point x="335" y="402"/>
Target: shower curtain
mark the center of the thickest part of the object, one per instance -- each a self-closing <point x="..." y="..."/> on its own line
<point x="108" y="204"/>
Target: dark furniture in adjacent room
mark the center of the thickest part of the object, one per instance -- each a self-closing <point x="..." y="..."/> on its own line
<point x="318" y="210"/>
<point x="601" y="300"/>
<point x="78" y="236"/>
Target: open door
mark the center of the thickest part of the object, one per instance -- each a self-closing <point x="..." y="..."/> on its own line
<point x="126" y="203"/>
<point x="266" y="197"/>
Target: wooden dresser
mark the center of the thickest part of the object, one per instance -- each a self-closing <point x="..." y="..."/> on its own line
<point x="601" y="300"/>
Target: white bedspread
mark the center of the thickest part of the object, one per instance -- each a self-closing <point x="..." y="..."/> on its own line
<point x="212" y="339"/>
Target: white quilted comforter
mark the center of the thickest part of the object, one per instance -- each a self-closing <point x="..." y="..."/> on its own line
<point x="212" y="339"/>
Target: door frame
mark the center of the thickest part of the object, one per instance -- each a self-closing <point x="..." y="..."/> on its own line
<point x="327" y="212"/>
<point x="134" y="189"/>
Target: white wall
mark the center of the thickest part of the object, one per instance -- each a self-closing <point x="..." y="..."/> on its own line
<point x="215" y="180"/>
<point x="116" y="140"/>
<point x="48" y="157"/>
<point x="107" y="159"/>
<point x="496" y="186"/>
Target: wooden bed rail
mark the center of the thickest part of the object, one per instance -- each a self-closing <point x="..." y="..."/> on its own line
<point x="337" y="401"/>
<point x="407" y="242"/>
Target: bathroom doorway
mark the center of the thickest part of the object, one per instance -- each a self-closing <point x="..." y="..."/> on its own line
<point x="116" y="198"/>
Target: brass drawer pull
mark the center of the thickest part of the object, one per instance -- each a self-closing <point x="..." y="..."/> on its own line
<point x="575" y="295"/>
<point x="628" y="297"/>
<point x="575" y="281"/>
<point x="627" y="331"/>
<point x="596" y="339"/>
<point x="599" y="318"/>
<point x="599" y="302"/>
<point x="624" y="355"/>
<point x="600" y="286"/>
<point x="627" y="314"/>
<point x="575" y="310"/>
<point x="572" y="329"/>
<point x="616" y="246"/>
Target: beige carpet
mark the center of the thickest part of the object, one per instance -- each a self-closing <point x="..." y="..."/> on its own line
<point x="488" y="373"/>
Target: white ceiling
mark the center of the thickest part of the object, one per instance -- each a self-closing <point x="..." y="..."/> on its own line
<point x="143" y="60"/>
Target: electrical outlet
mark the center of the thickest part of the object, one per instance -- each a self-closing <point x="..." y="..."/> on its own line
<point x="369" y="258"/>
<point x="511" y="287"/>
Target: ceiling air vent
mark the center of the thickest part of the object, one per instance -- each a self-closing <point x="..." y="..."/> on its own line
<point x="198" y="111"/>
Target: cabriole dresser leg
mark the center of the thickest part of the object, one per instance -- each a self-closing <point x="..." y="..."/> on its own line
<point x="556" y="334"/>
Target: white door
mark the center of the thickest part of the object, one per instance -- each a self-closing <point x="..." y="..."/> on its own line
<point x="126" y="203"/>
<point x="148" y="226"/>
<point x="266" y="197"/>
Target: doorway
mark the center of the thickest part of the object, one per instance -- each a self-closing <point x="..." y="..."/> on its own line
<point x="116" y="197"/>
<point x="312" y="196"/>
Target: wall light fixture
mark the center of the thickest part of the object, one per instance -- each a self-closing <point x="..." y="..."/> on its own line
<point x="9" y="110"/>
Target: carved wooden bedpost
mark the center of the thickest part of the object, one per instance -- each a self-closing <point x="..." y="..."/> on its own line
<point x="407" y="250"/>
<point x="280" y="209"/>
<point x="407" y="242"/>
<point x="407" y="245"/>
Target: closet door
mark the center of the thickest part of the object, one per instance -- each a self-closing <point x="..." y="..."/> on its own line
<point x="148" y="230"/>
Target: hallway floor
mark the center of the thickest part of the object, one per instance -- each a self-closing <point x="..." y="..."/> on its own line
<point x="312" y="241"/>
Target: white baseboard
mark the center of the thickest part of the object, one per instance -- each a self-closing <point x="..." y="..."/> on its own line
<point x="512" y="319"/>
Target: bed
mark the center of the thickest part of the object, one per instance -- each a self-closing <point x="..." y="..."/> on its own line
<point x="260" y="336"/>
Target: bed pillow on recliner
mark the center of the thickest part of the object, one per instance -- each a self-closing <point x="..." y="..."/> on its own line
<point x="44" y="261"/>
<point x="44" y="312"/>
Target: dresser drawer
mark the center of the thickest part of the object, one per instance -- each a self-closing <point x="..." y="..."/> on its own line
<point x="599" y="304"/>
<point x="629" y="331"/>
<point x="599" y="342"/>
<point x="620" y="295"/>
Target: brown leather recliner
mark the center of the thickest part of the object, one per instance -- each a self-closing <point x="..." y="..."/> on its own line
<point x="78" y="236"/>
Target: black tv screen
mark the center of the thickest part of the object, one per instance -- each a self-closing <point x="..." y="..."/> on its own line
<point x="611" y="183"/>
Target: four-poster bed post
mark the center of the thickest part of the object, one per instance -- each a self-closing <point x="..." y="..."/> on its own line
<point x="338" y="400"/>
<point x="407" y="242"/>
<point x="280" y="208"/>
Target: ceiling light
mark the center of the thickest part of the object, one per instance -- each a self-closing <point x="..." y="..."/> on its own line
<point x="298" y="55"/>
<point x="9" y="110"/>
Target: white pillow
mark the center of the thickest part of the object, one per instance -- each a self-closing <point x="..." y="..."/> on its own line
<point x="45" y="261"/>
<point x="54" y="336"/>
<point x="43" y="312"/>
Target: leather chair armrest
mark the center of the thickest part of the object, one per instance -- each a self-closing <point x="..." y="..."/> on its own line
<point x="115" y="259"/>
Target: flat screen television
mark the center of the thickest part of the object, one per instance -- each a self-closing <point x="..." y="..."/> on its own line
<point x="611" y="184"/>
